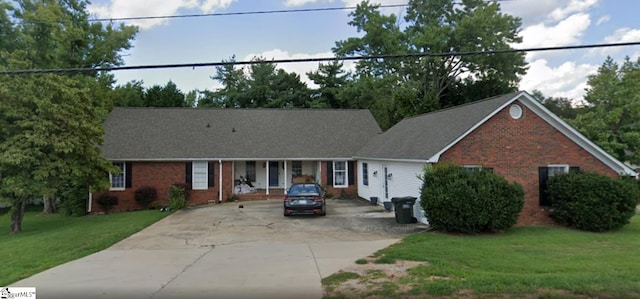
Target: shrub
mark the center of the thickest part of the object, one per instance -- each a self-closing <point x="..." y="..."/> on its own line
<point x="177" y="197"/>
<point x="146" y="195"/>
<point x="106" y="202"/>
<point x="187" y="190"/>
<point x="591" y="201"/>
<point x="74" y="201"/>
<point x="456" y="199"/>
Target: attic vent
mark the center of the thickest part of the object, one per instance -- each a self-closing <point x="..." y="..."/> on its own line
<point x="515" y="111"/>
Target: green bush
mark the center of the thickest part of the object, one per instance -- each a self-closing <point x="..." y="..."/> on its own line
<point x="456" y="199"/>
<point x="106" y="202"/>
<point x="177" y="197"/>
<point x="74" y="201"/>
<point x="145" y="196"/>
<point x="591" y="201"/>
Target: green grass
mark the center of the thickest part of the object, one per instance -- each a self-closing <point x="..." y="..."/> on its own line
<point x="50" y="240"/>
<point x="549" y="262"/>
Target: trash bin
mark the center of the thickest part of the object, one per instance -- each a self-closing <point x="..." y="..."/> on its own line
<point x="374" y="200"/>
<point x="403" y="207"/>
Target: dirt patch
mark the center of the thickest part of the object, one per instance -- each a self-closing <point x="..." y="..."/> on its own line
<point x="371" y="277"/>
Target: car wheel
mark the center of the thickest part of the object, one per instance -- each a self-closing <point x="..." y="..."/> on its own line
<point x="286" y="214"/>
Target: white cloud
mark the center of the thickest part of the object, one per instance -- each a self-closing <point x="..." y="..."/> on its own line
<point x="603" y="19"/>
<point x="566" y="80"/>
<point x="575" y="6"/>
<point x="621" y="35"/>
<point x="128" y="9"/>
<point x="566" y="32"/>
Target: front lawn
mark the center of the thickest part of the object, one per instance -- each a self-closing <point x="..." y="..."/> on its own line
<point x="531" y="262"/>
<point x="50" y="240"/>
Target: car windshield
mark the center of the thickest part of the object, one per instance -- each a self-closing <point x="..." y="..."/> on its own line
<point x="303" y="190"/>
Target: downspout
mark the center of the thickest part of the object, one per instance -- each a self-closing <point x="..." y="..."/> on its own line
<point x="285" y="176"/>
<point x="90" y="201"/>
<point x="267" y="167"/>
<point x="220" y="182"/>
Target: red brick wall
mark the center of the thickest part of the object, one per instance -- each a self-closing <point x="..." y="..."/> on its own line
<point x="515" y="149"/>
<point x="162" y="175"/>
<point x="350" y="191"/>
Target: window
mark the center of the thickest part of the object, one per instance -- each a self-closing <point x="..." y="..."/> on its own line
<point x="544" y="173"/>
<point x="472" y="167"/>
<point x="477" y="168"/>
<point x="250" y="170"/>
<point x="340" y="174"/>
<point x="118" y="180"/>
<point x="296" y="168"/>
<point x="200" y="173"/>
<point x="557" y="169"/>
<point x="365" y="174"/>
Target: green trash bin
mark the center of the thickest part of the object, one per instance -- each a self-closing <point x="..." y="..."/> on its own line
<point x="403" y="207"/>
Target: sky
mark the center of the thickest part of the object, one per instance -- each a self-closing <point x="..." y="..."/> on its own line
<point x="545" y="23"/>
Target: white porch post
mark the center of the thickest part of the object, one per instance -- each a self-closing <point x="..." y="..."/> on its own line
<point x="267" y="168"/>
<point x="285" y="176"/>
<point x="220" y="181"/>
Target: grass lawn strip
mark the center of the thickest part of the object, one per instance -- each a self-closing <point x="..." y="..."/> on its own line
<point x="526" y="262"/>
<point x="50" y="240"/>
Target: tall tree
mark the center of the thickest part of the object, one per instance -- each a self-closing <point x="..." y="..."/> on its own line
<point x="261" y="84"/>
<point x="164" y="96"/>
<point x="612" y="119"/>
<point x="52" y="124"/>
<point x="560" y="106"/>
<point x="330" y="78"/>
<point x="423" y="84"/>
<point x="130" y="94"/>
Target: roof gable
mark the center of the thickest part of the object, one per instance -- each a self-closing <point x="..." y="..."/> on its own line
<point x="192" y="134"/>
<point x="424" y="138"/>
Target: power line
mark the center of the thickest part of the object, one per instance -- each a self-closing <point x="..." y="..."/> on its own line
<point x="317" y="59"/>
<point x="259" y="12"/>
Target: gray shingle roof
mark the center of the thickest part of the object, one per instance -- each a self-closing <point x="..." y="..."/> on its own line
<point x="186" y="133"/>
<point x="421" y="137"/>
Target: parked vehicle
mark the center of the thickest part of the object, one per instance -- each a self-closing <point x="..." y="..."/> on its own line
<point x="305" y="199"/>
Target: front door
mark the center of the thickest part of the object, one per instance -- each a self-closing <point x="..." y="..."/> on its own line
<point x="273" y="174"/>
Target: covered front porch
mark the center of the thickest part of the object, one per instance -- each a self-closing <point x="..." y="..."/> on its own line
<point x="266" y="179"/>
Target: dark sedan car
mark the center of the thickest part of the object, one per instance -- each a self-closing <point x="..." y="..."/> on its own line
<point x="305" y="199"/>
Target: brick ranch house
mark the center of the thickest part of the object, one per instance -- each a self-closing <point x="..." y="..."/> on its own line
<point x="514" y="135"/>
<point x="214" y="149"/>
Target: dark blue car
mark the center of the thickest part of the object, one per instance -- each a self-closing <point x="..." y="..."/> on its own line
<point x="305" y="199"/>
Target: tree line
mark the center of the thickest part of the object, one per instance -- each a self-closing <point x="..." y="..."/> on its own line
<point x="51" y="124"/>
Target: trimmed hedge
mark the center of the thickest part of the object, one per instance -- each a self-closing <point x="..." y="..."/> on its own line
<point x="456" y="199"/>
<point x="592" y="202"/>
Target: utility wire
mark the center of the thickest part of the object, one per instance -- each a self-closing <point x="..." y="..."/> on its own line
<point x="318" y="59"/>
<point x="260" y="12"/>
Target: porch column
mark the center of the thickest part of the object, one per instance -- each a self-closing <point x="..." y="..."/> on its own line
<point x="219" y="181"/>
<point x="267" y="168"/>
<point x="285" y="176"/>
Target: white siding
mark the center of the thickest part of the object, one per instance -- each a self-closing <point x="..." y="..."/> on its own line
<point x="404" y="181"/>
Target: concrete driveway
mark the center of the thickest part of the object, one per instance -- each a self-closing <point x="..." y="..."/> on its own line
<point x="223" y="251"/>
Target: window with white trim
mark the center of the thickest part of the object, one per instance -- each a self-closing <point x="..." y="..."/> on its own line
<point x="118" y="180"/>
<point x="200" y="181"/>
<point x="365" y="174"/>
<point x="340" y="174"/>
